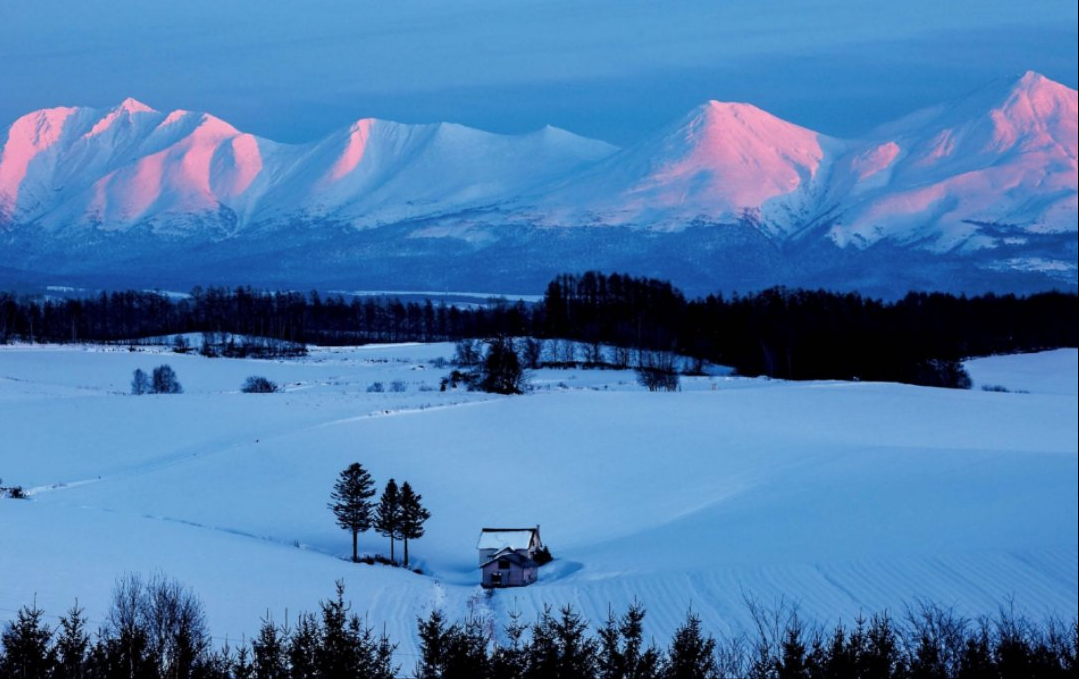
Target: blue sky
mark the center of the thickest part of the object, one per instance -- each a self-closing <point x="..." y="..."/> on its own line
<point x="612" y="69"/>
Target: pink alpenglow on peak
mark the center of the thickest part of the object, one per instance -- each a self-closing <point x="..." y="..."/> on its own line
<point x="740" y="155"/>
<point x="355" y="148"/>
<point x="29" y="136"/>
<point x="1037" y="113"/>
<point x="174" y="117"/>
<point x="1004" y="156"/>
<point x="212" y="163"/>
<point x="236" y="165"/>
<point x="718" y="163"/>
<point x="874" y="160"/>
<point x="129" y="192"/>
<point x="127" y="108"/>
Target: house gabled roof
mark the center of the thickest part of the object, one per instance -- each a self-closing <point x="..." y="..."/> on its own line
<point x="512" y="556"/>
<point x="513" y="538"/>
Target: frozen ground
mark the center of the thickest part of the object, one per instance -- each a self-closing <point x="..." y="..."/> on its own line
<point x="841" y="497"/>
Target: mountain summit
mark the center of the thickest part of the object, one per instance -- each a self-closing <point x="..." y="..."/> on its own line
<point x="974" y="193"/>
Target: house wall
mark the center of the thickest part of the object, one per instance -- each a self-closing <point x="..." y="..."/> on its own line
<point x="514" y="576"/>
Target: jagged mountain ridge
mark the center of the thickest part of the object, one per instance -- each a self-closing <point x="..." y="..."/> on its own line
<point x="989" y="179"/>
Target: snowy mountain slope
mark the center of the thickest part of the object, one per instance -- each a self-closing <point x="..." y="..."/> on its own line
<point x="976" y="194"/>
<point x="110" y="169"/>
<point x="1001" y="157"/>
<point x="844" y="497"/>
<point x="723" y="162"/>
<point x="74" y="168"/>
<point x="379" y="171"/>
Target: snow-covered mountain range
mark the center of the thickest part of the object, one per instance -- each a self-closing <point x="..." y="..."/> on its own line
<point x="976" y="193"/>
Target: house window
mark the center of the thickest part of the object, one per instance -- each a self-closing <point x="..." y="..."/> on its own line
<point x="503" y="564"/>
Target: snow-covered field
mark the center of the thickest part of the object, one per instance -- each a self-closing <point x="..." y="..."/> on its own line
<point x="840" y="497"/>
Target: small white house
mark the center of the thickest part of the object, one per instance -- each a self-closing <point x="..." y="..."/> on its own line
<point x="507" y="556"/>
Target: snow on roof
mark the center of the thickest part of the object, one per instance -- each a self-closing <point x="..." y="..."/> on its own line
<point x="501" y="538"/>
<point x="512" y="556"/>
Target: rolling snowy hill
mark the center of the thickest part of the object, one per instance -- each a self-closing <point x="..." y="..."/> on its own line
<point x="845" y="498"/>
<point x="979" y="193"/>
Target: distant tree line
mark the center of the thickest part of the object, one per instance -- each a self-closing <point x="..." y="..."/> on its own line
<point x="156" y="629"/>
<point x="805" y="334"/>
<point x="789" y="334"/>
<point x="291" y="317"/>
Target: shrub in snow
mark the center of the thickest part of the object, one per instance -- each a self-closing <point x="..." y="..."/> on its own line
<point x="258" y="385"/>
<point x="502" y="371"/>
<point x="657" y="371"/>
<point x="543" y="556"/>
<point x="164" y="381"/>
<point x="180" y="345"/>
<point x="467" y="352"/>
<point x="460" y="377"/>
<point x="13" y="492"/>
<point x="939" y="373"/>
<point x="398" y="386"/>
<point x="140" y="383"/>
<point x="376" y="388"/>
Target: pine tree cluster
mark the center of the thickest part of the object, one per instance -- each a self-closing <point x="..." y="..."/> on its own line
<point x="399" y="514"/>
<point x="156" y="629"/>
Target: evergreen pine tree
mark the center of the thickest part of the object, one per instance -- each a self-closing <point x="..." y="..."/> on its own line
<point x="432" y="636"/>
<point x="792" y="664"/>
<point x="692" y="655"/>
<point x="373" y="655"/>
<point x="510" y="660"/>
<point x="577" y="651"/>
<point x="638" y="662"/>
<point x="336" y="655"/>
<point x="464" y="652"/>
<point x="303" y="648"/>
<point x="242" y="667"/>
<point x="388" y="514"/>
<point x="543" y="651"/>
<point x="269" y="652"/>
<point x="881" y="658"/>
<point x="351" y="502"/>
<point x="26" y="642"/>
<point x="72" y="645"/>
<point x="611" y="663"/>
<point x="413" y="516"/>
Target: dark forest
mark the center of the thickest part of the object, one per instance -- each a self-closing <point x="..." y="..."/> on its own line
<point x="780" y="333"/>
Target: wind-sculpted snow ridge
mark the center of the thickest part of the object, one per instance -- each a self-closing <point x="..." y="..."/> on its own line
<point x="984" y="183"/>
